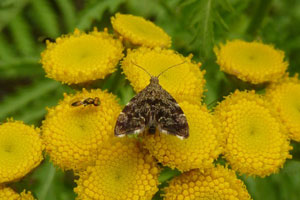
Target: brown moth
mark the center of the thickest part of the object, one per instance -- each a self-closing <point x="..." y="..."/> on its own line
<point x="152" y="108"/>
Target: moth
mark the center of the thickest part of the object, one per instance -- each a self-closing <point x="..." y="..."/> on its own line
<point x="152" y="108"/>
<point x="88" y="101"/>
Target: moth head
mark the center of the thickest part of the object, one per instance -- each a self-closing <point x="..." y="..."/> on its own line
<point x="156" y="77"/>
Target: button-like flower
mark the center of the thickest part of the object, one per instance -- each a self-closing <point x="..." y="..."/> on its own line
<point x="81" y="57"/>
<point x="122" y="171"/>
<point x="140" y="31"/>
<point x="285" y="97"/>
<point x="73" y="134"/>
<point x="256" y="142"/>
<point x="214" y="184"/>
<point x="183" y="82"/>
<point x="254" y="62"/>
<point x="197" y="151"/>
<point x="20" y="150"/>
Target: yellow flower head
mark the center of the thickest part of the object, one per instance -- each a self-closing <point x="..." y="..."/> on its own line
<point x="197" y="151"/>
<point x="139" y="31"/>
<point x="256" y="143"/>
<point x="285" y="98"/>
<point x="217" y="183"/>
<point x="7" y="193"/>
<point x="122" y="171"/>
<point x="81" y="57"/>
<point x="254" y="62"/>
<point x="183" y="82"/>
<point x="20" y="150"/>
<point x="73" y="134"/>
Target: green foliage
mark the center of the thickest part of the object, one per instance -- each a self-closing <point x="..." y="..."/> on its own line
<point x="195" y="26"/>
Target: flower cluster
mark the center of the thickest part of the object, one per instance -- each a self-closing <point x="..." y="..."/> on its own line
<point x="251" y="131"/>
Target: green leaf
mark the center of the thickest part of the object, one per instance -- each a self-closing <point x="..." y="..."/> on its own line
<point x="68" y="12"/>
<point x="18" y="100"/>
<point x="45" y="17"/>
<point x="10" y="11"/>
<point x="22" y="36"/>
<point x="95" y="11"/>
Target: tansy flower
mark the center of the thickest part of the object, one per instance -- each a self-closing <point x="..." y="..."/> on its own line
<point x="214" y="184"/>
<point x="183" y="82"/>
<point x="7" y="193"/>
<point x="20" y="150"/>
<point x="81" y="57"/>
<point x="285" y="98"/>
<point x="254" y="62"/>
<point x="73" y="134"/>
<point x="256" y="143"/>
<point x="122" y="171"/>
<point x="197" y="151"/>
<point x="139" y="31"/>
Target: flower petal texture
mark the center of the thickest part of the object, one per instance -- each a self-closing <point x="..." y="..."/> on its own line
<point x="184" y="82"/>
<point x="81" y="57"/>
<point x="256" y="142"/>
<point x="217" y="183"/>
<point x="122" y="171"/>
<point x="253" y="62"/>
<point x="6" y="193"/>
<point x="73" y="134"/>
<point x="140" y="31"/>
<point x="285" y="98"/>
<point x="197" y="151"/>
<point x="20" y="150"/>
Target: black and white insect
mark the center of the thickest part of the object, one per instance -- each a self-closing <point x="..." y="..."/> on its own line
<point x="85" y="102"/>
<point x="152" y="108"/>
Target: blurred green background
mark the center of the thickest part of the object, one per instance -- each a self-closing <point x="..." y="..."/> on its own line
<point x="195" y="27"/>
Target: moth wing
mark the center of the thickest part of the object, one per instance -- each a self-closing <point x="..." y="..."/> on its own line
<point x="130" y="120"/>
<point x="171" y="119"/>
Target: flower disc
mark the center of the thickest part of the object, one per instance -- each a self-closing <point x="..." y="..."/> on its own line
<point x="73" y="134"/>
<point x="81" y="57"/>
<point x="285" y="97"/>
<point x="122" y="171"/>
<point x="254" y="62"/>
<point x="183" y="82"/>
<point x="214" y="184"/>
<point x="197" y="151"/>
<point x="20" y="150"/>
<point x="139" y="31"/>
<point x="256" y="143"/>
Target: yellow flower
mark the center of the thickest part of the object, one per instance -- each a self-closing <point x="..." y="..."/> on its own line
<point x="217" y="183"/>
<point x="197" y="151"/>
<point x="122" y="171"/>
<point x="7" y="193"/>
<point x="20" y="150"/>
<point x="73" y="134"/>
<point x="183" y="82"/>
<point x="254" y="62"/>
<point x="256" y="143"/>
<point x="81" y="57"/>
<point x="285" y="98"/>
<point x="139" y="31"/>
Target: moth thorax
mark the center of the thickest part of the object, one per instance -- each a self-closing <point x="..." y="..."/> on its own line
<point x="154" y="80"/>
<point x="152" y="129"/>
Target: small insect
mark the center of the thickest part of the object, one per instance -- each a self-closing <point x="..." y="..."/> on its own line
<point x="88" y="101"/>
<point x="150" y="109"/>
<point x="45" y="39"/>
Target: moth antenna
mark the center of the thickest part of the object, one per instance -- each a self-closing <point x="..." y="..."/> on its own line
<point x="170" y="68"/>
<point x="142" y="68"/>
